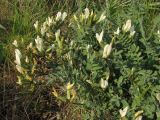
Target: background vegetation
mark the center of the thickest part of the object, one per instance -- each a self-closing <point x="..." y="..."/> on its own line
<point x="133" y="65"/>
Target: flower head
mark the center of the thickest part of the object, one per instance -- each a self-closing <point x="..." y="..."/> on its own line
<point x="27" y="60"/>
<point x="127" y="26"/>
<point x="49" y="21"/>
<point x="19" y="68"/>
<point x="107" y="50"/>
<point x="117" y="32"/>
<point x="44" y="28"/>
<point x="138" y="115"/>
<point x="58" y="17"/>
<point x="123" y="112"/>
<point x="36" y="25"/>
<point x="102" y="17"/>
<point x="103" y="83"/>
<point x="57" y="34"/>
<point x="15" y="43"/>
<point x="30" y="46"/>
<point x="64" y="15"/>
<point x="39" y="43"/>
<point x="132" y="31"/>
<point x="18" y="57"/>
<point x="100" y="37"/>
<point x="86" y="13"/>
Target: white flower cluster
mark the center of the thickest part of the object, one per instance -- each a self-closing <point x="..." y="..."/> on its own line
<point x="127" y="27"/>
<point x="89" y="15"/>
<point x="45" y="28"/>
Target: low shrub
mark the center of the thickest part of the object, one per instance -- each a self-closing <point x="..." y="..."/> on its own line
<point x="105" y="72"/>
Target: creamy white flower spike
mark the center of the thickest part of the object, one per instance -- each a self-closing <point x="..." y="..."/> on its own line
<point x="64" y="15"/>
<point x="100" y="37"/>
<point x="57" y="34"/>
<point x="102" y="17"/>
<point x="103" y="83"/>
<point x="58" y="17"/>
<point x="117" y="32"/>
<point x="15" y="43"/>
<point x="127" y="26"/>
<point x="123" y="112"/>
<point x="86" y="13"/>
<point x="18" y="57"/>
<point x="36" y="25"/>
<point x="107" y="50"/>
<point x="39" y="43"/>
<point x="158" y="32"/>
<point x="19" y="68"/>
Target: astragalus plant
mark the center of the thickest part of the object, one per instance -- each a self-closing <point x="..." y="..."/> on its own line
<point x="106" y="72"/>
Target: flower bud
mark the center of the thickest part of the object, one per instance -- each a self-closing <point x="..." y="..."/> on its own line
<point x="44" y="28"/>
<point x="86" y="13"/>
<point x="57" y="34"/>
<point x="127" y="26"/>
<point x="64" y="15"/>
<point x="27" y="60"/>
<point x="58" y="17"/>
<point x="103" y="83"/>
<point x="39" y="43"/>
<point x="123" y="112"/>
<point x="18" y="57"/>
<point x="107" y="50"/>
<point x="15" y="43"/>
<point x="19" y="68"/>
<point x="100" y="37"/>
<point x="36" y="25"/>
<point x="102" y="17"/>
<point x="117" y="32"/>
<point x="132" y="32"/>
<point x="50" y="21"/>
<point x="138" y="115"/>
